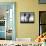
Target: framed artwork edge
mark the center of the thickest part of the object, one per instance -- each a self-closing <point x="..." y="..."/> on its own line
<point x="41" y="2"/>
<point x="28" y="21"/>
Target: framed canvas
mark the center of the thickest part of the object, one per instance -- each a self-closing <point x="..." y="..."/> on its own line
<point x="27" y="17"/>
<point x="42" y="22"/>
<point x="7" y="20"/>
<point x="42" y="1"/>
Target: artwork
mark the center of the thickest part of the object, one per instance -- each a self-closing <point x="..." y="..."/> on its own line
<point x="27" y="17"/>
<point x="42" y="1"/>
<point x="7" y="21"/>
<point x="42" y="22"/>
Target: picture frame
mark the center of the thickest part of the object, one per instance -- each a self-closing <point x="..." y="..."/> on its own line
<point x="42" y="22"/>
<point x="27" y="17"/>
<point x="7" y="28"/>
<point x="42" y="1"/>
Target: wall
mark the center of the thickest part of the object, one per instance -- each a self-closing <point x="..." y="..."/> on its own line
<point x="27" y="30"/>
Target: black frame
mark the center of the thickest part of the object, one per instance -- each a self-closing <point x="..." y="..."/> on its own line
<point x="39" y="21"/>
<point x="41" y="2"/>
<point x="26" y="13"/>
